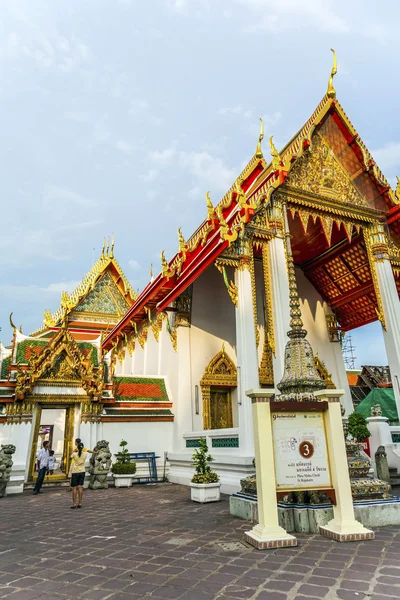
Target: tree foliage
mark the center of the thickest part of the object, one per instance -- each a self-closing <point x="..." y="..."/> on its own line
<point x="201" y="461"/>
<point x="357" y="427"/>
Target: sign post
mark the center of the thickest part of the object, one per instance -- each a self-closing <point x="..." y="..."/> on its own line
<point x="300" y="446"/>
<point x="267" y="533"/>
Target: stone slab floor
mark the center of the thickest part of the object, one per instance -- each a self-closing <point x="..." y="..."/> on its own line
<point x="153" y="542"/>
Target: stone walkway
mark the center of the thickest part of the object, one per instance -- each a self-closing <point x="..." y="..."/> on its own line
<point x="153" y="542"/>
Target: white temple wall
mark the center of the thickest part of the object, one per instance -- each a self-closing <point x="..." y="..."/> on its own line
<point x="18" y="434"/>
<point x="138" y="361"/>
<point x="313" y="310"/>
<point x="213" y="324"/>
<point x="150" y="360"/>
<point x="141" y="437"/>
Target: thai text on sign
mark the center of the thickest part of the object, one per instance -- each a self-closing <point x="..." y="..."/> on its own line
<point x="301" y="456"/>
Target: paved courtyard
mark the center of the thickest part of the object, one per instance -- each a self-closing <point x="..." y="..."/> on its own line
<point x="153" y="542"/>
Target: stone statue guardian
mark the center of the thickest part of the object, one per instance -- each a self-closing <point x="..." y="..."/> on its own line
<point x="99" y="466"/>
<point x="6" y="464"/>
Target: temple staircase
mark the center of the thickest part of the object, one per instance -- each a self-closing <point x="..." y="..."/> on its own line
<point x="394" y="477"/>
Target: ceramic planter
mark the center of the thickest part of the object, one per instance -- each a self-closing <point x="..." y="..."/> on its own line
<point x="205" y="492"/>
<point x="123" y="480"/>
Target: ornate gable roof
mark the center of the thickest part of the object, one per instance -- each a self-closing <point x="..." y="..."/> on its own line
<point x="103" y="292"/>
<point x="62" y="360"/>
<point x="351" y="165"/>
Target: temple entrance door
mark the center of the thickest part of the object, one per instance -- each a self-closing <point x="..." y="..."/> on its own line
<point x="221" y="408"/>
<point x="54" y="423"/>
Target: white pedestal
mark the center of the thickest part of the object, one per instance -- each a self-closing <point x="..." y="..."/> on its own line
<point x="267" y="533"/>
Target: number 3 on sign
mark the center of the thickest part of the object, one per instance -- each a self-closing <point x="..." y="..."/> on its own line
<point x="306" y="449"/>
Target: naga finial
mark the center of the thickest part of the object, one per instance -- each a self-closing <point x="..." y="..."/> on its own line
<point x="112" y="247"/>
<point x="210" y="208"/>
<point x="108" y="246"/>
<point x="103" y="248"/>
<point x="182" y="243"/>
<point x="259" y="153"/>
<point x="164" y="263"/>
<point x="12" y="323"/>
<point x="276" y="158"/>
<point x="397" y="192"/>
<point x="331" y="92"/>
<point x="151" y="270"/>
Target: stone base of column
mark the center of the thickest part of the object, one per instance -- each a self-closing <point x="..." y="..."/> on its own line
<point x="264" y="538"/>
<point x="352" y="531"/>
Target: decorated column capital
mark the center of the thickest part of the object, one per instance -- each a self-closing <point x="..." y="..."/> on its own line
<point x="378" y="242"/>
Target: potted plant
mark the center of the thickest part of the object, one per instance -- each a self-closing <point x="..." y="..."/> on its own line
<point x="123" y="469"/>
<point x="205" y="485"/>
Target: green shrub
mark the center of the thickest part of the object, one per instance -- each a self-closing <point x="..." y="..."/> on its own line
<point x="201" y="462"/>
<point x="123" y="466"/>
<point x="357" y="427"/>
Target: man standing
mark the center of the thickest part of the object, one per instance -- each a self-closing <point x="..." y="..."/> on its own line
<point x="43" y="464"/>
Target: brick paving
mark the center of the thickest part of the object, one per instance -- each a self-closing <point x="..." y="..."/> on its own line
<point x="153" y="542"/>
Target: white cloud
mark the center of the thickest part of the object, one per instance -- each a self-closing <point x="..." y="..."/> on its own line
<point x="58" y="194"/>
<point x="150" y="176"/>
<point x="134" y="265"/>
<point x="62" y="286"/>
<point x="236" y="110"/>
<point x="275" y="16"/>
<point x="123" y="147"/>
<point x="208" y="170"/>
<point x="163" y="156"/>
<point x="388" y="157"/>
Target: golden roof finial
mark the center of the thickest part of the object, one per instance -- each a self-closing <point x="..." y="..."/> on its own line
<point x="259" y="153"/>
<point x="210" y="208"/>
<point x="397" y="192"/>
<point x="182" y="243"/>
<point x="108" y="246"/>
<point x="276" y="158"/>
<point x="112" y="247"/>
<point x="104" y="247"/>
<point x="151" y="270"/>
<point x="164" y="263"/>
<point x="331" y="92"/>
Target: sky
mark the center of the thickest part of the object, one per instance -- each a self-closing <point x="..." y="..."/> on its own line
<point x="118" y="115"/>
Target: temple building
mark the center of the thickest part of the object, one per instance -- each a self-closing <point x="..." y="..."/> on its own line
<point x="56" y="385"/>
<point x="173" y="364"/>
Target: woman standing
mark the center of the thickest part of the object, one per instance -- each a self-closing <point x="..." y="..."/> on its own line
<point x="78" y="473"/>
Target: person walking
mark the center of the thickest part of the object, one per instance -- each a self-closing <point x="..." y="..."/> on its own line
<point x="78" y="474"/>
<point x="43" y="464"/>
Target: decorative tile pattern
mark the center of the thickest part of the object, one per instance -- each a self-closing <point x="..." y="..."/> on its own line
<point x="232" y="442"/>
<point x="193" y="443"/>
<point x="140" y="389"/>
<point x="105" y="298"/>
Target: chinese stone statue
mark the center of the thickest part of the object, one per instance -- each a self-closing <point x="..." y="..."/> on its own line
<point x="6" y="463"/>
<point x="99" y="466"/>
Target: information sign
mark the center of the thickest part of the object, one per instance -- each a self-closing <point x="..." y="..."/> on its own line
<point x="301" y="456"/>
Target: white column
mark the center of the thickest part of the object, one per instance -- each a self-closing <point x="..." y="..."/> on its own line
<point x="280" y="303"/>
<point x="183" y="406"/>
<point x="247" y="360"/>
<point x="391" y="311"/>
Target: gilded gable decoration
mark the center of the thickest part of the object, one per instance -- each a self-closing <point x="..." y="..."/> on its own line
<point x="319" y="172"/>
<point x="62" y="361"/>
<point x="219" y="378"/>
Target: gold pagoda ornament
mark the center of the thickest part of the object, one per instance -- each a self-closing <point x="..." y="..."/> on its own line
<point x="300" y="378"/>
<point x="259" y="152"/>
<point x="331" y="92"/>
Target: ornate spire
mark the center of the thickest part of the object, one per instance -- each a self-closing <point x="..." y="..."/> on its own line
<point x="112" y="247"/>
<point x="210" y="208"/>
<point x="300" y="379"/>
<point x="259" y="153"/>
<point x="331" y="92"/>
<point x="276" y="158"/>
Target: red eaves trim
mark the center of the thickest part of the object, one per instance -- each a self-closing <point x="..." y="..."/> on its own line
<point x="394" y="214"/>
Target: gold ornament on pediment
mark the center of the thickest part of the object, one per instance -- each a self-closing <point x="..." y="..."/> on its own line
<point x="61" y="370"/>
<point x="323" y="373"/>
<point x="318" y="171"/>
<point x="48" y="319"/>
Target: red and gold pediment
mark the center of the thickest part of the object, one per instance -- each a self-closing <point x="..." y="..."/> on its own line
<point x="62" y="361"/>
<point x="319" y="172"/>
